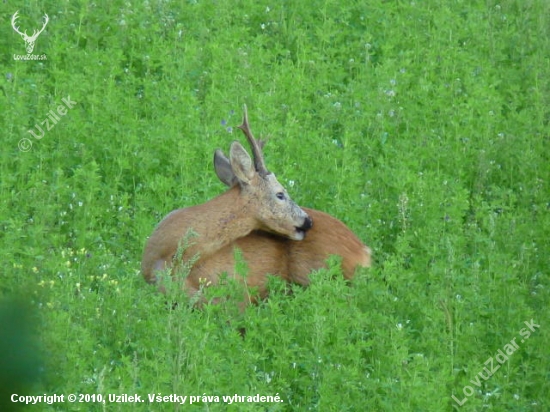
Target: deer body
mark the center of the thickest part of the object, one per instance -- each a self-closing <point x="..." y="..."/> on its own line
<point x="257" y="201"/>
<point x="293" y="261"/>
<point x="268" y="254"/>
<point x="268" y="228"/>
<point x="216" y="222"/>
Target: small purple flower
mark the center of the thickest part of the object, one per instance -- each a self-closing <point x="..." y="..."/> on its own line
<point x="223" y="122"/>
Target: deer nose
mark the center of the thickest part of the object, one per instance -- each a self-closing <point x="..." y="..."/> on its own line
<point x="308" y="223"/>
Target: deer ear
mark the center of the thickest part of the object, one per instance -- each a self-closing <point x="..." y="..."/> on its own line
<point x="241" y="163"/>
<point x="222" y="166"/>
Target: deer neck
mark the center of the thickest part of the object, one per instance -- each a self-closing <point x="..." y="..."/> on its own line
<point x="225" y="219"/>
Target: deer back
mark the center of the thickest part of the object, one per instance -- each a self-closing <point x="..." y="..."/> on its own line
<point x="328" y="237"/>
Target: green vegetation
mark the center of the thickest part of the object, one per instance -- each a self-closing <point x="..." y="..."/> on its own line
<point x="423" y="125"/>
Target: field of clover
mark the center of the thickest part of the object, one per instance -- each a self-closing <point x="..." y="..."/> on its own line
<point x="422" y="125"/>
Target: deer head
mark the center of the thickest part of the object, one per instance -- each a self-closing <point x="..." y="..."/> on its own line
<point x="29" y="40"/>
<point x="272" y="203"/>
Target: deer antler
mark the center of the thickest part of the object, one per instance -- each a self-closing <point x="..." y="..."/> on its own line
<point x="256" y="145"/>
<point x="35" y="33"/>
<point x="29" y="40"/>
<point x="13" y="19"/>
<point x="46" y="20"/>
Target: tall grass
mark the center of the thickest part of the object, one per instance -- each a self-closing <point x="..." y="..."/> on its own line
<point x="423" y="125"/>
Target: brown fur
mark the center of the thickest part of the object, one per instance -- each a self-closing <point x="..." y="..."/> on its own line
<point x="293" y="261"/>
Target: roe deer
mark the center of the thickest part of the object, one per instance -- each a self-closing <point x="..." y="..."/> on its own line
<point x="270" y="254"/>
<point x="256" y="201"/>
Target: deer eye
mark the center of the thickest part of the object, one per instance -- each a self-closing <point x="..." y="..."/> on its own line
<point x="280" y="195"/>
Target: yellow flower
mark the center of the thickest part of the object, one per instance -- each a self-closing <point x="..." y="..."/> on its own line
<point x="204" y="282"/>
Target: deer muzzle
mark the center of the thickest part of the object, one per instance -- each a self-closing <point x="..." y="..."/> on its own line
<point x="301" y="230"/>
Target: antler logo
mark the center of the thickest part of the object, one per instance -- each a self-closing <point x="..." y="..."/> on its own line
<point x="29" y="40"/>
